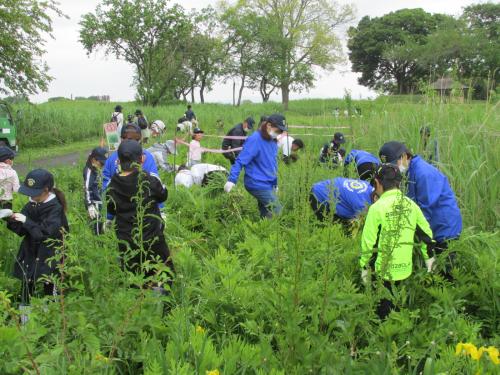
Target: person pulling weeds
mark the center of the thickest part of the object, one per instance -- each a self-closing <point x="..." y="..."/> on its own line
<point x="92" y="179"/>
<point x="259" y="158"/>
<point x="392" y="224"/>
<point x="133" y="198"/>
<point x="9" y="181"/>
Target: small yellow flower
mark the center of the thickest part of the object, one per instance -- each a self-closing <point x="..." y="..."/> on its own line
<point x="213" y="372"/>
<point x="200" y="329"/>
<point x="99" y="357"/>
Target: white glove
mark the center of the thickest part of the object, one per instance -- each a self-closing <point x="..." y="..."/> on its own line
<point x="92" y="210"/>
<point x="163" y="216"/>
<point x="275" y="190"/>
<point x="19" y="217"/>
<point x="228" y="186"/>
<point x="430" y="264"/>
<point x="364" y="276"/>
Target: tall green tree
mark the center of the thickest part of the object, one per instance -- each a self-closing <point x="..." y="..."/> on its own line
<point x="302" y="36"/>
<point x="24" y="24"/>
<point x="384" y="49"/>
<point x="149" y="34"/>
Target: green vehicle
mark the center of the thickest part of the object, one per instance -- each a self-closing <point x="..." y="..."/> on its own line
<point x="8" y="132"/>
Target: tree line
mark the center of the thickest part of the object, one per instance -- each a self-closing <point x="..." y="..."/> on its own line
<point x="264" y="45"/>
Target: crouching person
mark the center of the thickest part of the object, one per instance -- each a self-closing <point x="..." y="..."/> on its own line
<point x="42" y="223"/>
<point x="392" y="224"/>
<point x="133" y="197"/>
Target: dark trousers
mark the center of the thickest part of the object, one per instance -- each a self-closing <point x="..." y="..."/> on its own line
<point x="385" y="306"/>
<point x="157" y="248"/>
<point x="449" y="263"/>
<point x="28" y="290"/>
<point x="322" y="212"/>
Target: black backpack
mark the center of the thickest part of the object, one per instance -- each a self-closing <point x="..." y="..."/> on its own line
<point x="143" y="124"/>
<point x="114" y="117"/>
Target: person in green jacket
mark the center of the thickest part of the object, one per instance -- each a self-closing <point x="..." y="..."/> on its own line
<point x="392" y="225"/>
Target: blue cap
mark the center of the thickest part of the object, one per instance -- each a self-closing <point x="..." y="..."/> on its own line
<point x="339" y="138"/>
<point x="198" y="131"/>
<point x="278" y="121"/>
<point x="390" y="152"/>
<point x="36" y="181"/>
<point x="129" y="152"/>
<point x="100" y="154"/>
<point x="6" y="153"/>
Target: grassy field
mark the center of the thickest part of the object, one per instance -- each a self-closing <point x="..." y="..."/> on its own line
<point x="264" y="297"/>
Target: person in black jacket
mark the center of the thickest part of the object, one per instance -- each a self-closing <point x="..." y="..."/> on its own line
<point x="332" y="154"/>
<point x="239" y="130"/>
<point x="42" y="222"/>
<point x="133" y="198"/>
<point x="92" y="182"/>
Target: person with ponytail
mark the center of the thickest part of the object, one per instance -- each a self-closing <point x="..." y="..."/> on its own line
<point x="42" y="224"/>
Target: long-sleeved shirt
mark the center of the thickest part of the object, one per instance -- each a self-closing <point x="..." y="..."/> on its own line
<point x="91" y="180"/>
<point x="119" y="120"/>
<point x="350" y="197"/>
<point x="228" y="144"/>
<point x="360" y="157"/>
<point x="431" y="191"/>
<point x="9" y="182"/>
<point x="388" y="236"/>
<point x="259" y="158"/>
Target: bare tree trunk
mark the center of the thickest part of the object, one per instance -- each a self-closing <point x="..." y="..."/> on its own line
<point x="243" y="78"/>
<point x="192" y="94"/>
<point x="202" y="94"/>
<point x="285" y="95"/>
<point x="234" y="93"/>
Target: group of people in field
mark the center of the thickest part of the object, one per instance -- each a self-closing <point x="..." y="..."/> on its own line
<point x="407" y="199"/>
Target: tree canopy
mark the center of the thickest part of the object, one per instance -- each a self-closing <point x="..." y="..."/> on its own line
<point x="24" y="24"/>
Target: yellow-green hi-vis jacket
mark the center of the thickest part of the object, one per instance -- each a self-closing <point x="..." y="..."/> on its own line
<point x="392" y="226"/>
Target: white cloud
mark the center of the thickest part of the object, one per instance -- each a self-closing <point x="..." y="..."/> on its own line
<point x="77" y="74"/>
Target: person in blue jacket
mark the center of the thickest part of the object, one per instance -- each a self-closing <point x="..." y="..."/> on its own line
<point x="111" y="167"/>
<point x="366" y="163"/>
<point x="348" y="197"/>
<point x="259" y="157"/>
<point x="431" y="190"/>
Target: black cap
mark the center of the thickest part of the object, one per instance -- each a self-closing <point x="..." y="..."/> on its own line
<point x="198" y="131"/>
<point x="339" y="138"/>
<point x="388" y="173"/>
<point x="6" y="153"/>
<point x="278" y="120"/>
<point x="138" y="112"/>
<point x="118" y="108"/>
<point x="129" y="152"/>
<point x="100" y="154"/>
<point x="36" y="181"/>
<point x="250" y="121"/>
<point x="390" y="152"/>
<point x="130" y="128"/>
<point x="130" y="118"/>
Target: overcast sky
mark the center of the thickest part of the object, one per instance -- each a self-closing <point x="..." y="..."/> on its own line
<point x="77" y="74"/>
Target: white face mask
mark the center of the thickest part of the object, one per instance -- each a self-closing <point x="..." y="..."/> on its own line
<point x="273" y="133"/>
<point x="402" y="168"/>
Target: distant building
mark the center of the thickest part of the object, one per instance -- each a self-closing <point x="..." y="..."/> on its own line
<point x="444" y="86"/>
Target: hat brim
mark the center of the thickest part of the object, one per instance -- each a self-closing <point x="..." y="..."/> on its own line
<point x="100" y="159"/>
<point x="30" y="192"/>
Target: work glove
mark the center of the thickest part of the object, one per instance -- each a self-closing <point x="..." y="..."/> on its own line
<point x="19" y="217"/>
<point x="163" y="216"/>
<point x="430" y="264"/>
<point x="5" y="213"/>
<point x="93" y="213"/>
<point x="364" y="276"/>
<point x="228" y="186"/>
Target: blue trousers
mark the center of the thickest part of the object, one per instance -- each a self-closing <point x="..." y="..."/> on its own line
<point x="268" y="202"/>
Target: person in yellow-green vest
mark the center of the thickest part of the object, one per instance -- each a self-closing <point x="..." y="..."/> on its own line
<point x="393" y="224"/>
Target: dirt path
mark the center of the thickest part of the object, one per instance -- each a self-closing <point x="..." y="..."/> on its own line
<point x="50" y="162"/>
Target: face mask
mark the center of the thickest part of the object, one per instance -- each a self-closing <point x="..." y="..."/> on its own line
<point x="402" y="168"/>
<point x="273" y="134"/>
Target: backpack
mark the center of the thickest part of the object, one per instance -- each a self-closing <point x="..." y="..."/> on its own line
<point x="114" y="117"/>
<point x="143" y="124"/>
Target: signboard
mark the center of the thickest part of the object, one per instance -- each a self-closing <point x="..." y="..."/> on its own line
<point x="112" y="136"/>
